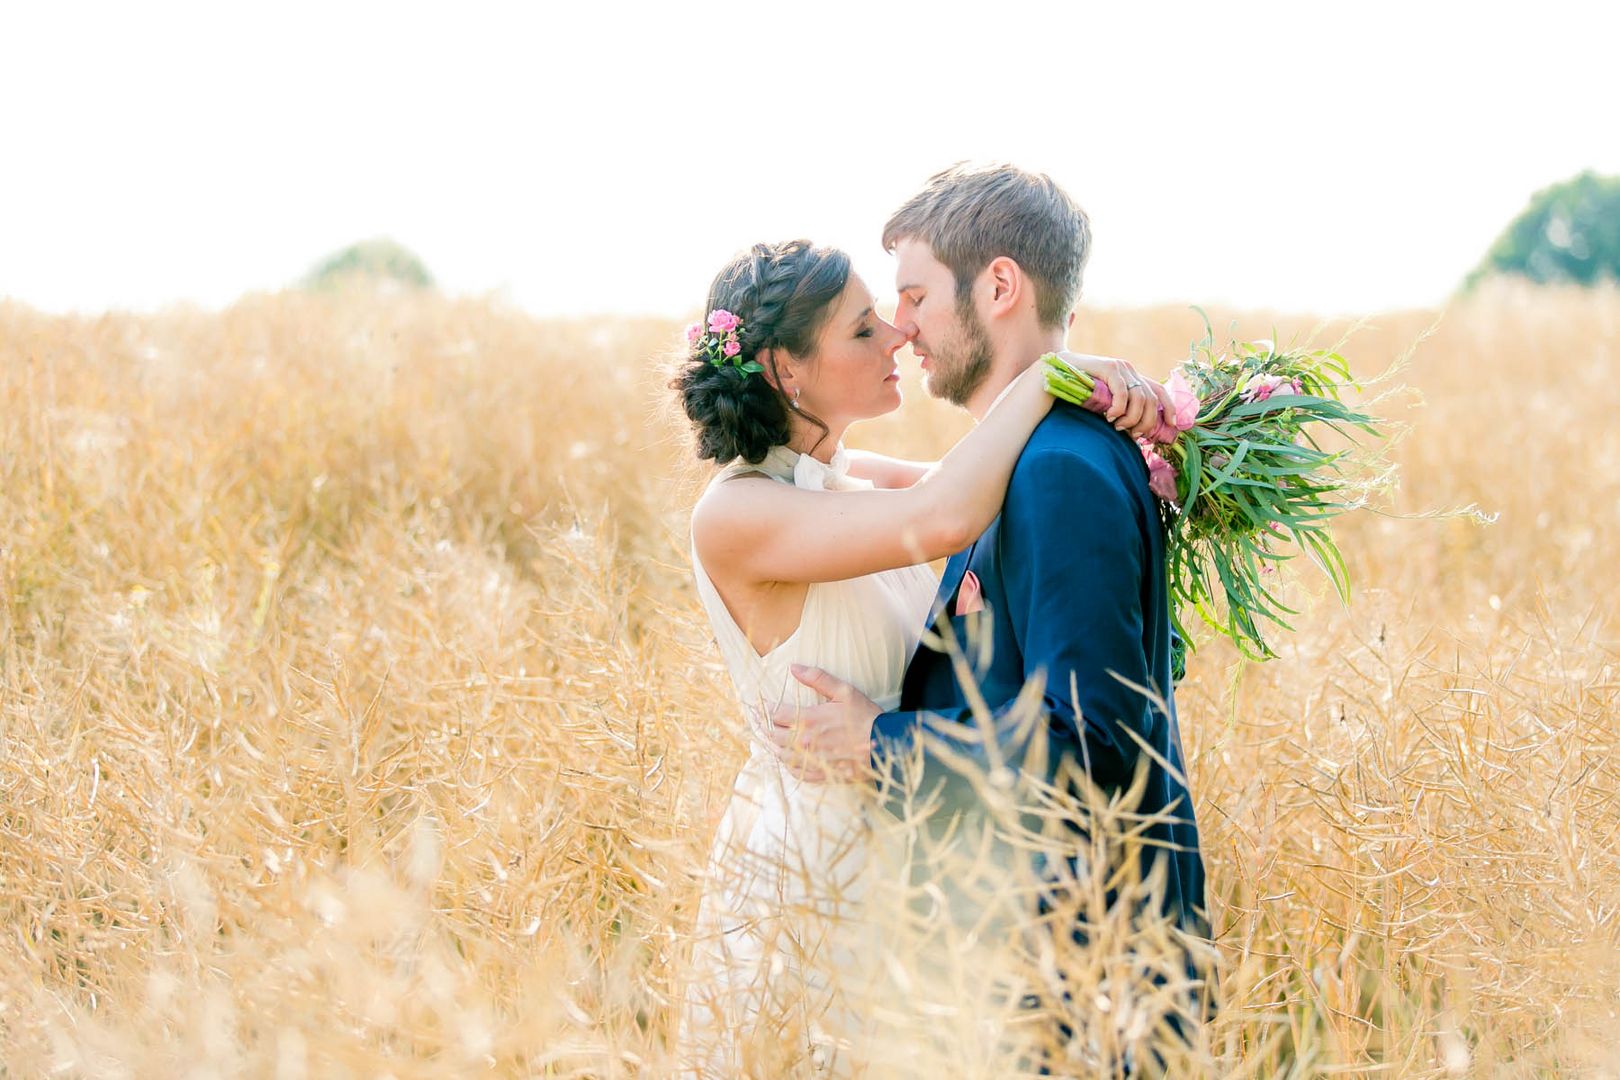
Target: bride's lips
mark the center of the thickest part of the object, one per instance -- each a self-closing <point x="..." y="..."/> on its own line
<point x="893" y="376"/>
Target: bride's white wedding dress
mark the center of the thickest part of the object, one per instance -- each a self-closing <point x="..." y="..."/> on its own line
<point x="781" y="946"/>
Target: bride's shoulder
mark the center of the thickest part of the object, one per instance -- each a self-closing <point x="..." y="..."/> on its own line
<point x="730" y="479"/>
<point x="728" y="501"/>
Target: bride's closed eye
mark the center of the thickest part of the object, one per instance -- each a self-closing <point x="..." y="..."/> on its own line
<point x="865" y="333"/>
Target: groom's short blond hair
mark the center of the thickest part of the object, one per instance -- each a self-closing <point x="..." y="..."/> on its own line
<point x="971" y="214"/>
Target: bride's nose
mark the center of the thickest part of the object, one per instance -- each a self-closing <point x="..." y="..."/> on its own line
<point x="897" y="340"/>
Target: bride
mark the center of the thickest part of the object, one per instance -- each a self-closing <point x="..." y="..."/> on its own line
<point x="805" y="553"/>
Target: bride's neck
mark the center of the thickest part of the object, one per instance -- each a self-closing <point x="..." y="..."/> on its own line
<point x="806" y="438"/>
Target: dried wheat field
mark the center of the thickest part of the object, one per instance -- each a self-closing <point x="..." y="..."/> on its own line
<point x="357" y="716"/>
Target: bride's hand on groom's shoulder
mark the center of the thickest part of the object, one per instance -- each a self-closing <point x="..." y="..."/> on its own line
<point x="1138" y="401"/>
<point x="830" y="741"/>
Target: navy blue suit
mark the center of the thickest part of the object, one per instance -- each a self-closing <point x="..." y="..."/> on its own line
<point x="1073" y="578"/>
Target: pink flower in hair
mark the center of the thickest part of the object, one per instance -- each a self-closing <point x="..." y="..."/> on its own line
<point x="731" y="347"/>
<point x="721" y="321"/>
<point x="694" y="332"/>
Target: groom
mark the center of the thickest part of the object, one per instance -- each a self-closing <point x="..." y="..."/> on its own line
<point x="1071" y="576"/>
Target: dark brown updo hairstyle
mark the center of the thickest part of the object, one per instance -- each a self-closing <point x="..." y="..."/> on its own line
<point x="783" y="293"/>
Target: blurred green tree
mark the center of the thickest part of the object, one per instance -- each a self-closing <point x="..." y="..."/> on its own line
<point x="1570" y="233"/>
<point x="378" y="259"/>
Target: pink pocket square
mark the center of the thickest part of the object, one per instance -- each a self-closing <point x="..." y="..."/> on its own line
<point x="968" y="597"/>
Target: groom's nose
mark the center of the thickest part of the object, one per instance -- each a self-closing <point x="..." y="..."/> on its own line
<point x="908" y="331"/>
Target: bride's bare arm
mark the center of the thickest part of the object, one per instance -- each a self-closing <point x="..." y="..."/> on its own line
<point x="885" y="471"/>
<point x="765" y="531"/>
<point x="892" y="472"/>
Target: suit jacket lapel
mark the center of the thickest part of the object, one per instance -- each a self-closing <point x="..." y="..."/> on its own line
<point x="955" y="571"/>
<point x="912" y="683"/>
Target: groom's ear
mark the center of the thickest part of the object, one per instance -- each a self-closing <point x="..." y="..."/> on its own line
<point x="1005" y="284"/>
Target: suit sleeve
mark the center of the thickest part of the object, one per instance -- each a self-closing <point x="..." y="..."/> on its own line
<point x="1071" y="558"/>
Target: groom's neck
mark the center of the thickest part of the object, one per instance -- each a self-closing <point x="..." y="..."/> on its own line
<point x="1013" y="353"/>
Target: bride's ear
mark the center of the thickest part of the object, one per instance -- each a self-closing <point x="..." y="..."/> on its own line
<point x="768" y="359"/>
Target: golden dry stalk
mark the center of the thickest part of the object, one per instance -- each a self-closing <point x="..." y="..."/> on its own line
<point x="357" y="715"/>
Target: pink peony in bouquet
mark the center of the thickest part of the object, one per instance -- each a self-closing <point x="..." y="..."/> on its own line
<point x="1240" y="472"/>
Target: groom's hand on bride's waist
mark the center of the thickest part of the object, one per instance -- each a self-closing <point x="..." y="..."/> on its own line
<point x="830" y="741"/>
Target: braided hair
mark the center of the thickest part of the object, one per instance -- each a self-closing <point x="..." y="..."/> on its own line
<point x="783" y="293"/>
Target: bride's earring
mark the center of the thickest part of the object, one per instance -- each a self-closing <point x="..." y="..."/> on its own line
<point x="795" y="401"/>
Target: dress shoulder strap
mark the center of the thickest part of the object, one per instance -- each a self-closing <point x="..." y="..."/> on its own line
<point x="739" y="468"/>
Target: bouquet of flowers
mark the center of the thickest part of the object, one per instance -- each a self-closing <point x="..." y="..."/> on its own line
<point x="1240" y="473"/>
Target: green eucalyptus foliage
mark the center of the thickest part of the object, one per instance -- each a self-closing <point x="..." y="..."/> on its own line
<point x="1255" y="487"/>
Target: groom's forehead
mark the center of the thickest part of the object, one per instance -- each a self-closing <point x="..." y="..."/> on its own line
<point x="916" y="265"/>
<point x="914" y="257"/>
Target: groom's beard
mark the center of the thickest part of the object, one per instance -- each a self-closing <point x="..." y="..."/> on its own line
<point x="962" y="365"/>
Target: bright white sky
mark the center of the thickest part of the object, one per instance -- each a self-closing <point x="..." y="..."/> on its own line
<point x="594" y="156"/>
